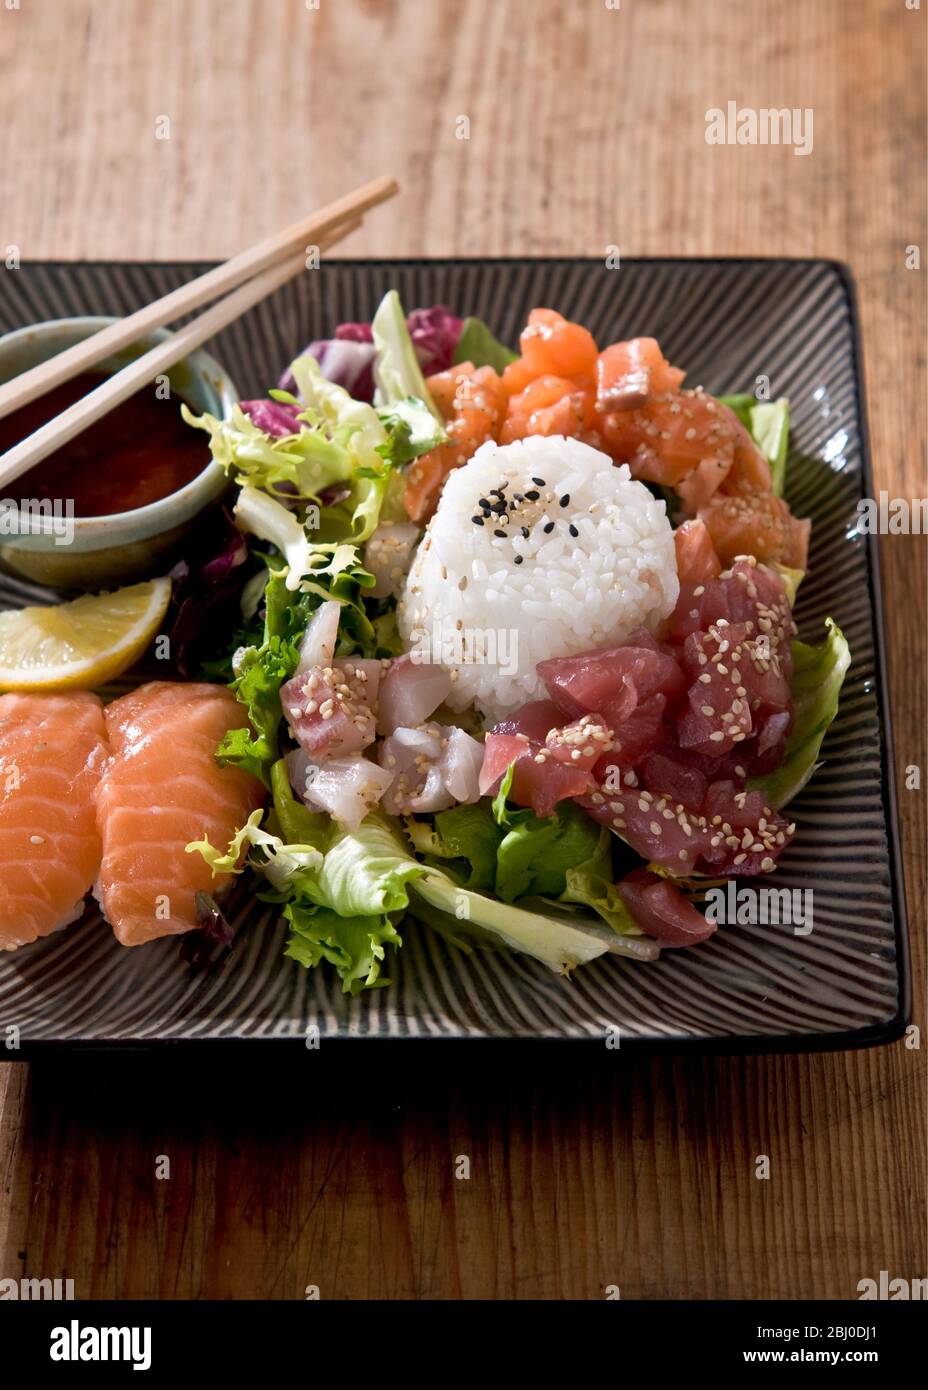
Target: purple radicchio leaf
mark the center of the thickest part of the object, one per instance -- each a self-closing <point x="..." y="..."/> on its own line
<point x="213" y="939"/>
<point x="348" y="358"/>
<point x="276" y="418"/>
<point x="435" y="333"/>
<point x="206" y="590"/>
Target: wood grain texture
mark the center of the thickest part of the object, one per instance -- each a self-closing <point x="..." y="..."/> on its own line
<point x="586" y="129"/>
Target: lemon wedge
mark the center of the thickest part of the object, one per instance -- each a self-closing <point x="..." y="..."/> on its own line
<point x="82" y="644"/>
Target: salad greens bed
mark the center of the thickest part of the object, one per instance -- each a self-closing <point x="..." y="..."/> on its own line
<point x="318" y="471"/>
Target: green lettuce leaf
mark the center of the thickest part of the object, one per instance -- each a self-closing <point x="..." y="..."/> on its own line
<point x="339" y="892"/>
<point x="467" y="834"/>
<point x="365" y="871"/>
<point x="791" y="579"/>
<point x="411" y="430"/>
<point x="300" y="464"/>
<point x="339" y="440"/>
<point x="370" y="878"/>
<point x="770" y="429"/>
<point x="397" y="374"/>
<point x="592" y="884"/>
<point x="257" y="512"/>
<point x="478" y="345"/>
<point x="741" y="405"/>
<point x="535" y="855"/>
<point x="561" y="944"/>
<point x="343" y="907"/>
<point x="260" y="670"/>
<point x="816" y="687"/>
<point x="566" y="856"/>
<point x="356" y="946"/>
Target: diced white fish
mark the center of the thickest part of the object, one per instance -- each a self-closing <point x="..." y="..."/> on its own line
<point x="388" y="554"/>
<point x="432" y="767"/>
<point x="363" y="673"/>
<point x="329" y="710"/>
<point x="460" y="766"/>
<point x="410" y="691"/>
<point x="318" y="645"/>
<point x="347" y="788"/>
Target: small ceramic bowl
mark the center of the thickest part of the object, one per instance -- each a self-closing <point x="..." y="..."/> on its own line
<point x="121" y="549"/>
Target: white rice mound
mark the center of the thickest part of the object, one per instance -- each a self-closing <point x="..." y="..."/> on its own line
<point x="471" y="605"/>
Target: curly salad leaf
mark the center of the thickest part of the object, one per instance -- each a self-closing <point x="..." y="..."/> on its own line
<point x="344" y="894"/>
<point x="262" y="668"/>
<point x="338" y="454"/>
<point x="341" y="893"/>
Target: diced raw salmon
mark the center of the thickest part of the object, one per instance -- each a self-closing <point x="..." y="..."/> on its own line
<point x="697" y="561"/>
<point x="628" y="373"/>
<point x="552" y="346"/>
<point x="549" y="405"/>
<point x="472" y="402"/>
<point x="673" y="435"/>
<point x="758" y="524"/>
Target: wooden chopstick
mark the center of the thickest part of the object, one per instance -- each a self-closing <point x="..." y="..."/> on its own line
<point x="123" y="384"/>
<point x="323" y="225"/>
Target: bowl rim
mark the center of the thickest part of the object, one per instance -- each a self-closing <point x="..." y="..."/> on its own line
<point x="204" y="363"/>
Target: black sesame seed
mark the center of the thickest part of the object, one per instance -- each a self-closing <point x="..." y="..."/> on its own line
<point x="477" y="520"/>
<point x="501" y="534"/>
<point x="573" y="530"/>
<point x="518" y="559"/>
<point x="496" y="492"/>
<point x="539" y="481"/>
<point x="525" y="532"/>
<point x="565" y="499"/>
<point x="548" y="528"/>
<point x="483" y="503"/>
<point x="532" y="496"/>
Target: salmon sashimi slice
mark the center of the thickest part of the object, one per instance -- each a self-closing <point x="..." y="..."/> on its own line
<point x="161" y="789"/>
<point x="52" y="752"/>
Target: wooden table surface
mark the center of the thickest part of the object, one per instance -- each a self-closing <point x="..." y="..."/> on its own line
<point x="587" y="128"/>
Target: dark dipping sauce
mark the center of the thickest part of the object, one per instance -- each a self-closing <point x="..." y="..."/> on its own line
<point x="138" y="453"/>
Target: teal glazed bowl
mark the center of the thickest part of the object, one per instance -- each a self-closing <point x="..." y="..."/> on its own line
<point x="107" y="551"/>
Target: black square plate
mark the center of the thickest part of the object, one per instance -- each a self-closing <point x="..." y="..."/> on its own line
<point x="749" y="988"/>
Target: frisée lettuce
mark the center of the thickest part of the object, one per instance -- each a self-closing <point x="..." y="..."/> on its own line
<point x="343" y="894"/>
